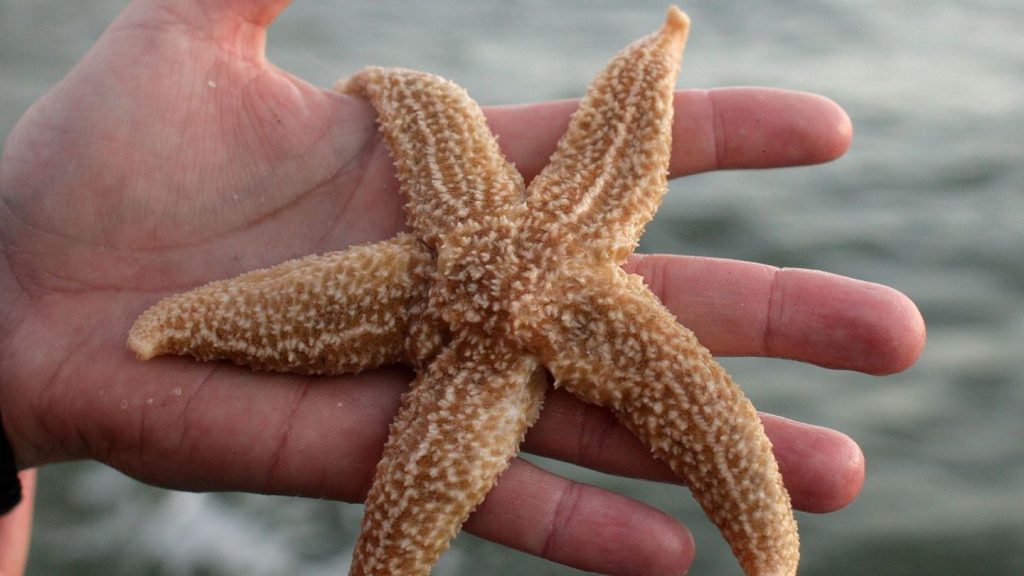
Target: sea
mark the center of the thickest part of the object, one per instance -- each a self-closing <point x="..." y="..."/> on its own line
<point x="929" y="200"/>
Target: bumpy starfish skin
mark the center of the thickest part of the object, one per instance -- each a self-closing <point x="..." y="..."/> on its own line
<point x="330" y="314"/>
<point x="497" y="283"/>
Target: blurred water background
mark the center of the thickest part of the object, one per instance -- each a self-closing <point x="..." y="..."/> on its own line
<point x="930" y="200"/>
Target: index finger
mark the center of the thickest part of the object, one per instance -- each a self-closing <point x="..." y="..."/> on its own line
<point x="722" y="128"/>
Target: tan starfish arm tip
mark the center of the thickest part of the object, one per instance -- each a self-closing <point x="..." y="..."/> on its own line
<point x="677" y="19"/>
<point x="338" y="312"/>
<point x="446" y="158"/>
<point x="608" y="340"/>
<point x="608" y="174"/>
<point x="459" y="425"/>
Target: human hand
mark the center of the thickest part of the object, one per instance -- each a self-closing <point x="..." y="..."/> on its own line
<point x="175" y="154"/>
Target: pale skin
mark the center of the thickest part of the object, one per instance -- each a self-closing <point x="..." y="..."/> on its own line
<point x="174" y="153"/>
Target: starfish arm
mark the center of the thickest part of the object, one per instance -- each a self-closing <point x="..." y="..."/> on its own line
<point x="609" y="172"/>
<point x="446" y="158"/>
<point x="609" y="341"/>
<point x="334" y="313"/>
<point x="460" y="424"/>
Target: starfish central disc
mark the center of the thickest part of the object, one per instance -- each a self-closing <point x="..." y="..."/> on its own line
<point x="483" y="277"/>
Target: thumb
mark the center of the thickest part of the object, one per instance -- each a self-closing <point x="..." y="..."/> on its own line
<point x="260" y="13"/>
<point x="240" y="25"/>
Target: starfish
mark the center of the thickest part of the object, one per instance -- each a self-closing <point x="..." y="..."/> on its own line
<point x="497" y="285"/>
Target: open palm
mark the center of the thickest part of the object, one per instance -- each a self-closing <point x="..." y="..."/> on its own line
<point x="174" y="154"/>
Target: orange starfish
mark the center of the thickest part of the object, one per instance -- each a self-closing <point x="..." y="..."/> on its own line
<point x="496" y="283"/>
